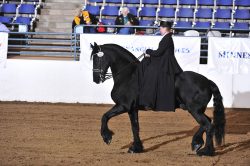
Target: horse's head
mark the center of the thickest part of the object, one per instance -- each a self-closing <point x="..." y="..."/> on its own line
<point x="100" y="63"/>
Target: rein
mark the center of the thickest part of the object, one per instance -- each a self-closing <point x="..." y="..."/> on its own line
<point x="110" y="75"/>
<point x="107" y="76"/>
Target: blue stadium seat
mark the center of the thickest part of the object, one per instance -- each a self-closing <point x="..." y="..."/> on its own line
<point x="206" y="24"/>
<point x="242" y="3"/>
<point x="27" y="9"/>
<point x="204" y="13"/>
<point x="183" y="24"/>
<point x="98" y="1"/>
<point x="5" y="19"/>
<point x="148" y="12"/>
<point x="241" y="25"/>
<point x="206" y="2"/>
<point x="186" y="13"/>
<point x="224" y="2"/>
<point x="8" y="8"/>
<point x="166" y="12"/>
<point x="23" y="20"/>
<point x="132" y="1"/>
<point x="146" y="22"/>
<point x="113" y="1"/>
<point x="224" y="25"/>
<point x="150" y="1"/>
<point x="223" y="13"/>
<point x="242" y="14"/>
<point x="187" y="2"/>
<point x="133" y="10"/>
<point x="31" y="0"/>
<point x="110" y="11"/>
<point x="95" y="10"/>
<point x="169" y="2"/>
<point x="107" y="21"/>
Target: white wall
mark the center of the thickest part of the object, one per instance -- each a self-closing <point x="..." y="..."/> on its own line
<point x="223" y="81"/>
<point x="241" y="91"/>
<point x="71" y="82"/>
<point x="51" y="81"/>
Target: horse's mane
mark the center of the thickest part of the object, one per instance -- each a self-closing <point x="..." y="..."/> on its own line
<point x="123" y="51"/>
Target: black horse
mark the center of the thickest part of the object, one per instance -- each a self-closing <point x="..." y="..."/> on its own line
<point x="193" y="93"/>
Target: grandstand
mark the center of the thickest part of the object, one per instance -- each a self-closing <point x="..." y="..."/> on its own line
<point x="184" y="13"/>
<point x="51" y="19"/>
<point x="15" y="13"/>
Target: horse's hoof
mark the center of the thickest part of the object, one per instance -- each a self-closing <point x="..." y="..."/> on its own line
<point x="135" y="149"/>
<point x="108" y="142"/>
<point x="107" y="137"/>
<point x="196" y="144"/>
<point x="196" y="147"/>
<point x="206" y="152"/>
<point x="130" y="151"/>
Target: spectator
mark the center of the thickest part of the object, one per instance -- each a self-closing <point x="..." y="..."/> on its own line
<point x="84" y="17"/>
<point x="3" y="28"/>
<point x="77" y="19"/>
<point x="126" y="19"/>
<point x="89" y="19"/>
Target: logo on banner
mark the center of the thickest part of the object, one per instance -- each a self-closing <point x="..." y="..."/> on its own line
<point x="187" y="49"/>
<point x="229" y="55"/>
<point x="137" y="49"/>
<point x="235" y="55"/>
<point x="183" y="50"/>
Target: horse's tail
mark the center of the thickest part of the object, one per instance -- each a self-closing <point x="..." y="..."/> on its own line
<point x="219" y="114"/>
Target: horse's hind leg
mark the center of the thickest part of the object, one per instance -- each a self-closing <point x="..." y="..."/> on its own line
<point x="208" y="150"/>
<point x="197" y="141"/>
<point x="137" y="146"/>
<point x="105" y="132"/>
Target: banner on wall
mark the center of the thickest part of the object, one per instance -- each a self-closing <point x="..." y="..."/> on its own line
<point x="187" y="49"/>
<point x="229" y="55"/>
<point x="3" y="48"/>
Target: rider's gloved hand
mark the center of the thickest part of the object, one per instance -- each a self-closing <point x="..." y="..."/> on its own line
<point x="146" y="55"/>
<point x="149" y="51"/>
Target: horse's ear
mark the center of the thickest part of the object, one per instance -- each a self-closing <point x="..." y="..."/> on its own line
<point x="91" y="45"/>
<point x="95" y="44"/>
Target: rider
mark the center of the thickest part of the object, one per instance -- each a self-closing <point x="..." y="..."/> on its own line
<point x="157" y="74"/>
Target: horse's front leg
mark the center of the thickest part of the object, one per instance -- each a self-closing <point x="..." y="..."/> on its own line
<point x="105" y="132"/>
<point x="137" y="146"/>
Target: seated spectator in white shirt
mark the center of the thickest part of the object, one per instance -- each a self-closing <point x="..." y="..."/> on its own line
<point x="126" y="19"/>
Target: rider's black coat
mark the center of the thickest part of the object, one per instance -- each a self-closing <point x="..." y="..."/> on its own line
<point x="157" y="77"/>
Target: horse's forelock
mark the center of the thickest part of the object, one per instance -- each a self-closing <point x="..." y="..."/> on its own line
<point x="96" y="47"/>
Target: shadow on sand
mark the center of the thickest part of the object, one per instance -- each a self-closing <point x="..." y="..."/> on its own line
<point x="238" y="123"/>
<point x="184" y="134"/>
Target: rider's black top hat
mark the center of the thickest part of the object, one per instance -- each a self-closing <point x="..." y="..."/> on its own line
<point x="166" y="24"/>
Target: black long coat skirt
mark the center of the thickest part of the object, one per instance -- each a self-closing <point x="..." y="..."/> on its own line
<point x="157" y="77"/>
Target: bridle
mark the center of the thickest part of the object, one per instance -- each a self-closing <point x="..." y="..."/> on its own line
<point x="105" y="76"/>
<point x="99" y="70"/>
